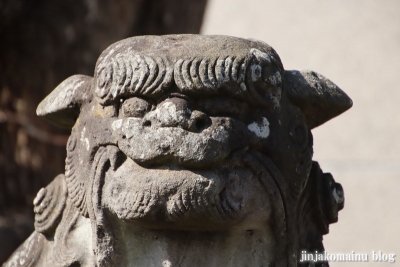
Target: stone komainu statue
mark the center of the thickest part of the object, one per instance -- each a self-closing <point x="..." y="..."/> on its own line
<point x="187" y="150"/>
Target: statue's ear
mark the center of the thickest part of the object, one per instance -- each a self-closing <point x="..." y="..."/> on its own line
<point x="62" y="106"/>
<point x="316" y="96"/>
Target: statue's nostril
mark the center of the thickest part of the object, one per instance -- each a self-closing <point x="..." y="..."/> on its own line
<point x="198" y="121"/>
<point x="201" y="123"/>
<point x="146" y="123"/>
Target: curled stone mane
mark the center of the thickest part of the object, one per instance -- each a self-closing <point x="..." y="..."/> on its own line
<point x="127" y="74"/>
<point x="75" y="184"/>
<point x="132" y="67"/>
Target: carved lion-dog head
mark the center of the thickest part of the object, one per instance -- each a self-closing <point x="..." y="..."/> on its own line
<point x="201" y="133"/>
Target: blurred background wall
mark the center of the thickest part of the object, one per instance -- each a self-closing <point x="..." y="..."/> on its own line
<point x="43" y="42"/>
<point x="356" y="44"/>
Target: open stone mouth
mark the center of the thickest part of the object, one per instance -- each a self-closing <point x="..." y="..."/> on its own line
<point x="172" y="194"/>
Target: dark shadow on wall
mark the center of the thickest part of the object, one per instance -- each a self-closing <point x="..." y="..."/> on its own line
<point x="42" y="43"/>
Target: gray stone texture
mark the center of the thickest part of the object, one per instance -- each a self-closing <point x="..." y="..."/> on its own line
<point x="187" y="150"/>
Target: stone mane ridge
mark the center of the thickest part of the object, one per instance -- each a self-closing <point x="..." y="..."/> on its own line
<point x="151" y="65"/>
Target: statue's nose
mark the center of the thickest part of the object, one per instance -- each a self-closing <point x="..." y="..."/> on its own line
<point x="176" y="112"/>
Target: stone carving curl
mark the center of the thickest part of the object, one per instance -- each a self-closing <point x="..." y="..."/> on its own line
<point x="318" y="206"/>
<point x="238" y="74"/>
<point x="126" y="74"/>
<point x="49" y="205"/>
<point x="103" y="238"/>
<point x="210" y="74"/>
<point x="250" y="76"/>
<point x="63" y="252"/>
<point x="75" y="184"/>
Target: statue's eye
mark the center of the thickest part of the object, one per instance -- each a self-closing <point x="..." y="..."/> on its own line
<point x="135" y="107"/>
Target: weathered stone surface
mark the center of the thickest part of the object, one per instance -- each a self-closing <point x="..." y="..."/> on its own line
<point x="187" y="150"/>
